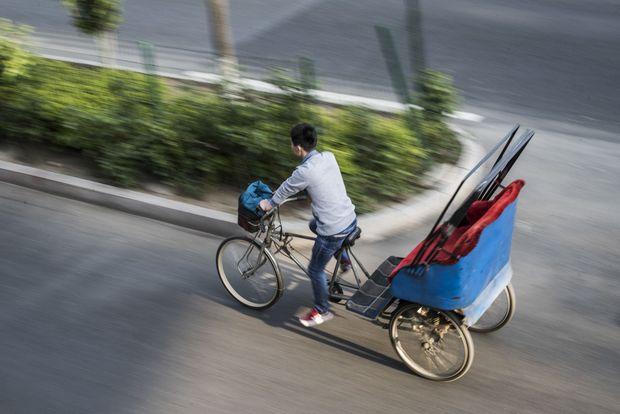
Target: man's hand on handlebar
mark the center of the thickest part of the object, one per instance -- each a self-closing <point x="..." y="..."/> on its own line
<point x="265" y="205"/>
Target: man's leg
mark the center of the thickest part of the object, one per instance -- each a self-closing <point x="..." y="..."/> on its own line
<point x="323" y="250"/>
<point x="321" y="254"/>
<point x="345" y="262"/>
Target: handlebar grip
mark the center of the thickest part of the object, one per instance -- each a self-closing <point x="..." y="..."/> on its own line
<point x="265" y="216"/>
<point x="267" y="213"/>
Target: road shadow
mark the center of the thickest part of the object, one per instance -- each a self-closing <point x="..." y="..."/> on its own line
<point x="282" y="316"/>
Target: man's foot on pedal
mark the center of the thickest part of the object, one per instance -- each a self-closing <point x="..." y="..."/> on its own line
<point x="345" y="266"/>
<point x="314" y="317"/>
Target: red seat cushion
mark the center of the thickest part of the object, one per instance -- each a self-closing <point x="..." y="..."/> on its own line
<point x="477" y="210"/>
<point x="464" y="238"/>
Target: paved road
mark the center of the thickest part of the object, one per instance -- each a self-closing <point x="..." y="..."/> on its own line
<point x="102" y="311"/>
<point x="105" y="312"/>
<point x="556" y="59"/>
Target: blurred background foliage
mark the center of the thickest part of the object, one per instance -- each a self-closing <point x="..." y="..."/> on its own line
<point x="94" y="16"/>
<point x="136" y="127"/>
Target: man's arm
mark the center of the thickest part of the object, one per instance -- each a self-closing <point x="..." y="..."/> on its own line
<point x="294" y="184"/>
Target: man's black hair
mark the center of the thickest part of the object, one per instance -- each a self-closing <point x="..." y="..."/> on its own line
<point x="304" y="135"/>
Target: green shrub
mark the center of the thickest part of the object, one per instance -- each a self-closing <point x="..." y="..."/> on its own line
<point x="437" y="98"/>
<point x="128" y="138"/>
<point x="192" y="138"/>
<point x="201" y="154"/>
<point x="441" y="141"/>
<point x="437" y="95"/>
<point x="14" y="60"/>
<point x="382" y="156"/>
<point x="15" y="63"/>
<point x="94" y="16"/>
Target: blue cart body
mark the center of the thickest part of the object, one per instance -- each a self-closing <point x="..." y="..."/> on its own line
<point x="458" y="285"/>
<point x="464" y="262"/>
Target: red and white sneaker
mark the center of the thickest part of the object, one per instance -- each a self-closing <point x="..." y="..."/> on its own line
<point x="314" y="317"/>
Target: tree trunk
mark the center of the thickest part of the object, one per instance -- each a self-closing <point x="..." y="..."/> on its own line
<point x="108" y="43"/>
<point x="222" y="37"/>
<point x="417" y="56"/>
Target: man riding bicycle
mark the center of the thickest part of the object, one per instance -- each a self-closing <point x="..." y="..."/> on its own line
<point x="333" y="211"/>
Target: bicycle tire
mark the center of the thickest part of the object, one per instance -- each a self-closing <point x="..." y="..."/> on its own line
<point x="229" y="280"/>
<point x="509" y="294"/>
<point x="414" y="356"/>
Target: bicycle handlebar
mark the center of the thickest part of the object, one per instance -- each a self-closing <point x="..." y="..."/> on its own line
<point x="275" y="208"/>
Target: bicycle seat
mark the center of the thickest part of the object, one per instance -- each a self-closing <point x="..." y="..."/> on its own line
<point x="354" y="235"/>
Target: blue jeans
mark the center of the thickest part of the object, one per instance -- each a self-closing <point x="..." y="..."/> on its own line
<point x="324" y="248"/>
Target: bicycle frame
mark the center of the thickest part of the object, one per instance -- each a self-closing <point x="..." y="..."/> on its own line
<point x="271" y="233"/>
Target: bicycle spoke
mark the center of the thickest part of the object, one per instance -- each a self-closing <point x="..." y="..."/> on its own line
<point x="248" y="273"/>
<point x="430" y="343"/>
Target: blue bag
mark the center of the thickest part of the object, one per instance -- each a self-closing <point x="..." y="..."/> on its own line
<point x="253" y="195"/>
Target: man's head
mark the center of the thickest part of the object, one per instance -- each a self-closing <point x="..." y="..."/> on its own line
<point x="303" y="139"/>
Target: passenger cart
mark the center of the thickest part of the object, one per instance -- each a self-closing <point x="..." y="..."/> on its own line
<point x="455" y="281"/>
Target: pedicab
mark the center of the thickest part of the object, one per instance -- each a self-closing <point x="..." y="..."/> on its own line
<point x="455" y="281"/>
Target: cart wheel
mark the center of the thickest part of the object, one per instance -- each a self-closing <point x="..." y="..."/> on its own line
<point x="499" y="313"/>
<point x="337" y="289"/>
<point x="432" y="343"/>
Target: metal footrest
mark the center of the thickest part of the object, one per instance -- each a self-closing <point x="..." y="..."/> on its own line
<point x="374" y="295"/>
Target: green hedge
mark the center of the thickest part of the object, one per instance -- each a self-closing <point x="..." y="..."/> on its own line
<point x="135" y="127"/>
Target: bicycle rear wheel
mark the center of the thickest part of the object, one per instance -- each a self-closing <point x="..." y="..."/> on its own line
<point x="499" y="313"/>
<point x="431" y="342"/>
<point x="249" y="273"/>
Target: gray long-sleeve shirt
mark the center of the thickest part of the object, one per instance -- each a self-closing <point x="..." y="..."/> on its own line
<point x="319" y="174"/>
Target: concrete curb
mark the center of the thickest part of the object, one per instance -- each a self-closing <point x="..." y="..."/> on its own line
<point x="134" y="202"/>
<point x="375" y="226"/>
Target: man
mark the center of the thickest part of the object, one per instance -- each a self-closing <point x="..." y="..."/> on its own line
<point x="334" y="214"/>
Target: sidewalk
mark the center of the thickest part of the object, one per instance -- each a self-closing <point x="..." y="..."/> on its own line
<point x="199" y="66"/>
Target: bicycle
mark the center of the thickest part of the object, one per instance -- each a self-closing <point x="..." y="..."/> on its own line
<point x="250" y="272"/>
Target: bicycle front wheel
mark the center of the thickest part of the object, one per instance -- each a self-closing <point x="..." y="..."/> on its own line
<point x="249" y="272"/>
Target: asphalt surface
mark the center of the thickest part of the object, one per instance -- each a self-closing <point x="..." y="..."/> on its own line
<point x="101" y="311"/>
<point x="104" y="312"/>
<point x="557" y="59"/>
